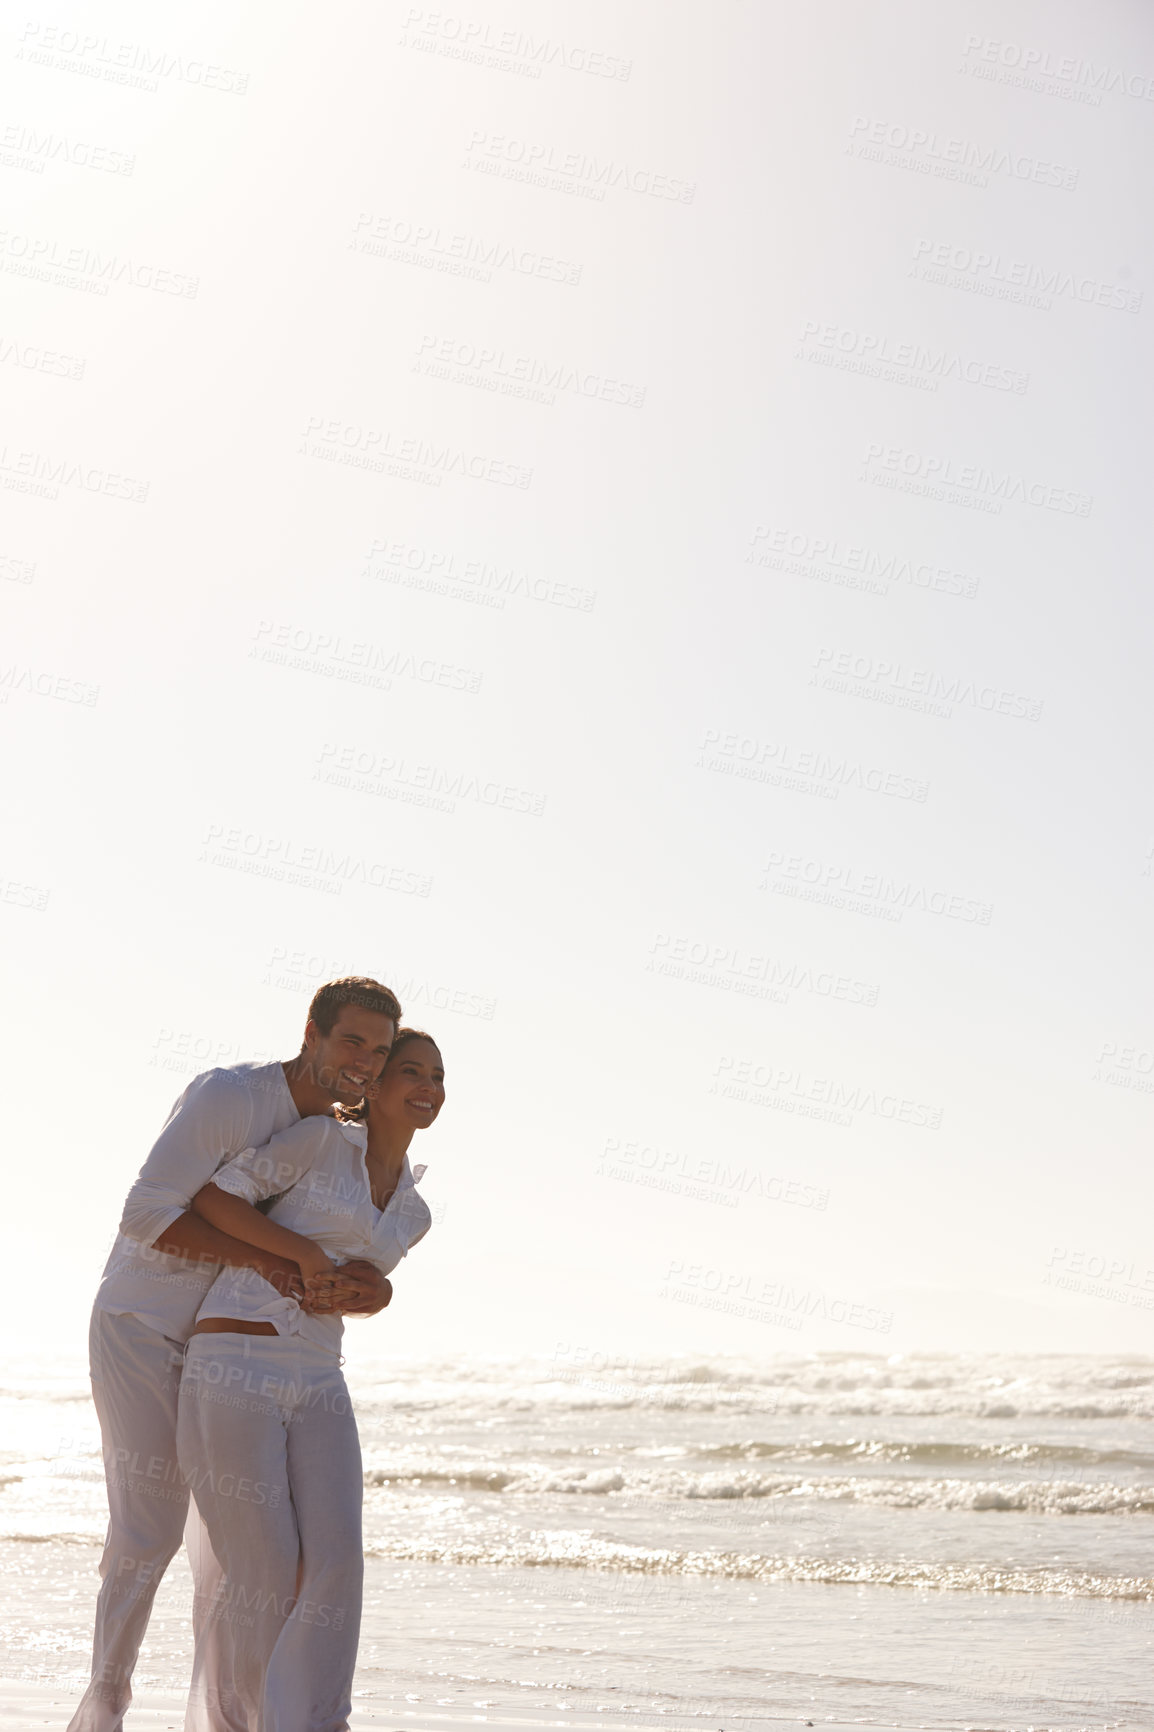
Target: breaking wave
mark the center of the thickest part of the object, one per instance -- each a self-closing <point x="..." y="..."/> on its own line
<point x="581" y="1552"/>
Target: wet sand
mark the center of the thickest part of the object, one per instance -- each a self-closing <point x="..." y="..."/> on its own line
<point x="31" y="1705"/>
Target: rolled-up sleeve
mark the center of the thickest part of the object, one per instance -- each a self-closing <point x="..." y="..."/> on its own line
<point x="257" y="1174"/>
<point x="210" y="1121"/>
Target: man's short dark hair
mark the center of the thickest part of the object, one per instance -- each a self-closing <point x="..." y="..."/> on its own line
<point x="329" y="1000"/>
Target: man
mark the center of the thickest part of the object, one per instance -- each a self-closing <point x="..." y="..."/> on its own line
<point x="163" y="1263"/>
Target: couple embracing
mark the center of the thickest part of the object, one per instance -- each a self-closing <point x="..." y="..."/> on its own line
<point x="276" y="1200"/>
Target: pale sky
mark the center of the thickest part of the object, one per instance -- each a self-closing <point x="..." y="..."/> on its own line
<point x="629" y="524"/>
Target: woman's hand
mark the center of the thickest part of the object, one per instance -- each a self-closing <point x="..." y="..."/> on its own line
<point x="314" y="1263"/>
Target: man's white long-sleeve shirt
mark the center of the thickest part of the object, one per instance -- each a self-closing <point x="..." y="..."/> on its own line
<point x="220" y="1113"/>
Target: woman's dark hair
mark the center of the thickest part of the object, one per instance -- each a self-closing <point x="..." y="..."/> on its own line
<point x="404" y="1035"/>
<point x="357" y="1115"/>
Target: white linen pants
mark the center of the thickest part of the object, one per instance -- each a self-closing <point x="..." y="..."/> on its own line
<point x="135" y="1385"/>
<point x="268" y="1446"/>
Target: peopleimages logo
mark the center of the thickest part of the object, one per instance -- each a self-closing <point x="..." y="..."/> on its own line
<point x="404" y="242"/>
<point x="837" y="885"/>
<point x="849" y="565"/>
<point x="40" y="683"/>
<point x="362" y="663"/>
<point x="31" y="149"/>
<point x="1070" y="70"/>
<point x="421" y="783"/>
<point x="382" y="450"/>
<point x="665" y="1169"/>
<point x="303" y="971"/>
<point x="532" y="159"/>
<point x="53" y="260"/>
<point x="446" y="572"/>
<point x="934" y="475"/>
<point x="895" y="682"/>
<point x="737" y="970"/>
<point x="1014" y="279"/>
<point x="307" y="866"/>
<point x="1126" y="1067"/>
<point x="763" y="1084"/>
<point x="43" y="473"/>
<point x="1100" y="1275"/>
<point x="929" y="152"/>
<point x="14" y="892"/>
<point x="32" y="359"/>
<point x="489" y="45"/>
<point x="133" y="63"/>
<point x="778" y="764"/>
<point x="491" y="368"/>
<point x="875" y="354"/>
<point x="778" y="1302"/>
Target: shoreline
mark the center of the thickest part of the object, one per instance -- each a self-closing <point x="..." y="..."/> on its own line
<point x="42" y="1705"/>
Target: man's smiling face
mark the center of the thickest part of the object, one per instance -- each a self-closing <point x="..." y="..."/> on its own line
<point x="351" y="1057"/>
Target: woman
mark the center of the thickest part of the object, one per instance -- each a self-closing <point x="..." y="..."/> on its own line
<point x="266" y="1434"/>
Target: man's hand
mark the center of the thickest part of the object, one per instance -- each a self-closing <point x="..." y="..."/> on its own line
<point x="357" y="1289"/>
<point x="369" y="1290"/>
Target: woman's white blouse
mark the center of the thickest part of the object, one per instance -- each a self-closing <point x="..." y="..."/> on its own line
<point x="316" y="1172"/>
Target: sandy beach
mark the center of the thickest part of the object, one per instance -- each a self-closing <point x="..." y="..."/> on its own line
<point x="28" y="1706"/>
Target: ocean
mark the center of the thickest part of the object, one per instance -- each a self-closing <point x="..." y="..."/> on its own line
<point x="920" y="1541"/>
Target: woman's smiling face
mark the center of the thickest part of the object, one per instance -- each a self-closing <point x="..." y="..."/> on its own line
<point x="412" y="1089"/>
